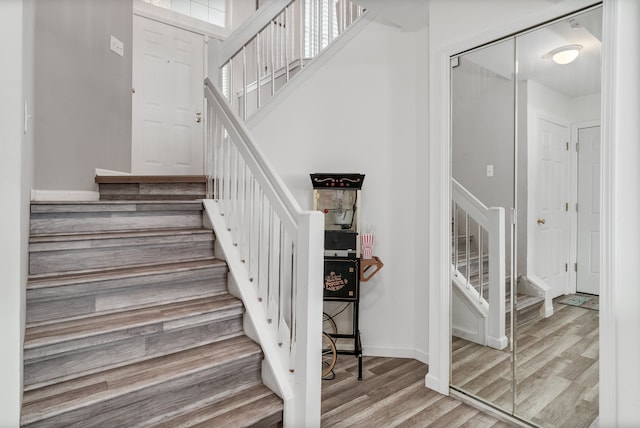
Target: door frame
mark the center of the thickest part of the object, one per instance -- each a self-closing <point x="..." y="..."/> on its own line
<point x="575" y="128"/>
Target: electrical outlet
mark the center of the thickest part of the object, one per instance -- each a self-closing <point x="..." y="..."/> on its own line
<point x="117" y="46"/>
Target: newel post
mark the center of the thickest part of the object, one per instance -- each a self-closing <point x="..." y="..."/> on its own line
<point x="496" y="337"/>
<point x="308" y="327"/>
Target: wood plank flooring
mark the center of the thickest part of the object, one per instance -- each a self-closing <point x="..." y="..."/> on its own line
<point x="556" y="369"/>
<point x="392" y="394"/>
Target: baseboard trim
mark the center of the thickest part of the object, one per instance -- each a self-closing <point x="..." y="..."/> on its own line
<point x="394" y="352"/>
<point x="64" y="195"/>
<point x="100" y="171"/>
<point x="422" y="356"/>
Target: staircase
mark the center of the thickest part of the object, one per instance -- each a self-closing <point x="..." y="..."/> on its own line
<point x="129" y="320"/>
<point x="526" y="305"/>
<point x="481" y="289"/>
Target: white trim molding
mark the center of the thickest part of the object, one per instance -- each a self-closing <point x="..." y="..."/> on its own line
<point x="395" y="352"/>
<point x="110" y="172"/>
<point x="619" y="226"/>
<point x="64" y="195"/>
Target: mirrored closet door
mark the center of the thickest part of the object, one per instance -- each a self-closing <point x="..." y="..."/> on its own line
<point x="525" y="155"/>
<point x="483" y="198"/>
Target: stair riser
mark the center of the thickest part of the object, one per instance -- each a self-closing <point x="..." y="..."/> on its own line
<point x="43" y="224"/>
<point x="152" y="191"/>
<point x="48" y="364"/>
<point x="135" y="407"/>
<point x="88" y="298"/>
<point x="58" y="257"/>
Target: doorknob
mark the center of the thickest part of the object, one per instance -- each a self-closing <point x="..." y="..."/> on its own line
<point x="198" y="116"/>
<point x="540" y="221"/>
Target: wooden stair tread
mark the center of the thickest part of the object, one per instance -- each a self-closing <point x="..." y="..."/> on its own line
<point x="62" y="397"/>
<point x="130" y="321"/>
<point x="259" y="412"/>
<point x="53" y="280"/>
<point x="48" y="334"/>
<point x="246" y="406"/>
<point x="120" y="179"/>
<point x="525" y="301"/>
<point x="83" y="236"/>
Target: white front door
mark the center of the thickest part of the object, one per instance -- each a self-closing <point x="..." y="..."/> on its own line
<point x="549" y="216"/>
<point x="588" y="257"/>
<point x="167" y="124"/>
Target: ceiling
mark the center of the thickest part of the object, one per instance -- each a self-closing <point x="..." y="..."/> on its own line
<point x="409" y="15"/>
<point x="581" y="77"/>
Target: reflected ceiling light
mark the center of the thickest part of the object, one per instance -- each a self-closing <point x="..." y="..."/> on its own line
<point x="565" y="54"/>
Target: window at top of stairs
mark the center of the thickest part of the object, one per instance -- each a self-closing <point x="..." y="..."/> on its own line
<point x="211" y="11"/>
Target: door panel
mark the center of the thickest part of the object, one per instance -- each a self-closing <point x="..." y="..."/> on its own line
<point x="168" y="75"/>
<point x="588" y="276"/>
<point x="551" y="190"/>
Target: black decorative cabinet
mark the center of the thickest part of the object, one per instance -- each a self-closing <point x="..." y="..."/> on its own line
<point x="337" y="196"/>
<point x="341" y="279"/>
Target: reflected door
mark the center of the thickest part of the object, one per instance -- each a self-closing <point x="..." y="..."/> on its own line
<point x="588" y="269"/>
<point x="550" y="185"/>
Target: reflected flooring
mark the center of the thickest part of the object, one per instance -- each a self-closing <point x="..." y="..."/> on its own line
<point x="556" y="371"/>
<point x="391" y="394"/>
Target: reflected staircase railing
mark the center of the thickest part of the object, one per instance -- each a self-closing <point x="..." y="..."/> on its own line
<point x="478" y="258"/>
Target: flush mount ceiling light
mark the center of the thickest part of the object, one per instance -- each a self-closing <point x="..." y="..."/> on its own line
<point x="565" y="54"/>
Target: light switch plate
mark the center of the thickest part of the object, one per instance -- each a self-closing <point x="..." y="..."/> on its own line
<point x="117" y="46"/>
<point x="489" y="170"/>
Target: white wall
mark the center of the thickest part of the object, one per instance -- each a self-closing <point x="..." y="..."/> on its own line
<point x="585" y="108"/>
<point x="238" y="11"/>
<point x="358" y="113"/>
<point x="483" y="130"/>
<point x="14" y="216"/>
<point x="82" y="92"/>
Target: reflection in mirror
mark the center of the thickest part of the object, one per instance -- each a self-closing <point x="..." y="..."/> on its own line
<point x="531" y="143"/>
<point x="556" y="351"/>
<point x="483" y="113"/>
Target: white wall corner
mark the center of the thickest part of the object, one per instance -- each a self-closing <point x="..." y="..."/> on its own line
<point x="422" y="356"/>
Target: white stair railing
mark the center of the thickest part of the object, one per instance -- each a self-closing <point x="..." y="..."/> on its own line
<point x="275" y="44"/>
<point x="472" y="218"/>
<point x="275" y="256"/>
